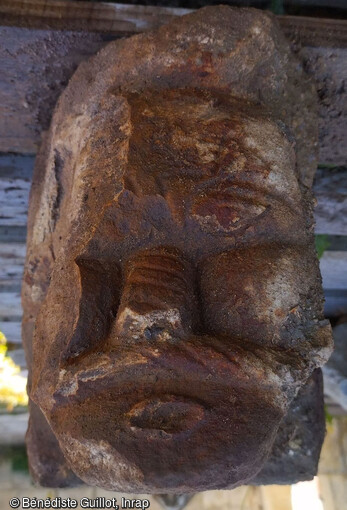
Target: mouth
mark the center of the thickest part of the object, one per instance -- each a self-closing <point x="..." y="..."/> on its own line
<point x="155" y="383"/>
<point x="164" y="395"/>
<point x="165" y="416"/>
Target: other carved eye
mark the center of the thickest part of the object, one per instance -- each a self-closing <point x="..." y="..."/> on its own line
<point x="228" y="209"/>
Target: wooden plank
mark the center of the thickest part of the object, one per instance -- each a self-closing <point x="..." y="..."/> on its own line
<point x="333" y="266"/>
<point x="327" y="68"/>
<point x="332" y="469"/>
<point x="10" y="306"/>
<point x="121" y="19"/>
<point x="16" y="234"/>
<point x="333" y="491"/>
<point x="35" y="67"/>
<point x="315" y="31"/>
<point x="12" y="332"/>
<point x="15" y="177"/>
<point x="241" y="498"/>
<point x="11" y="271"/>
<point x="330" y="188"/>
<point x="334" y="409"/>
<point x="276" y="497"/>
<point x="13" y="251"/>
<point x="336" y="243"/>
<point x="115" y="19"/>
<point x="335" y="303"/>
<point x="10" y="285"/>
<point x="14" y="197"/>
<point x="13" y="428"/>
<point x="37" y="63"/>
<point x="332" y="459"/>
<point x="14" y="166"/>
<point x="18" y="357"/>
<point x="12" y="258"/>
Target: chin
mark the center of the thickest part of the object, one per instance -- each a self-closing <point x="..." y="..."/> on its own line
<point x="189" y="463"/>
<point x="167" y="442"/>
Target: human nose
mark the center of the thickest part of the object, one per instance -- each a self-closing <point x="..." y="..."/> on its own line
<point x="158" y="301"/>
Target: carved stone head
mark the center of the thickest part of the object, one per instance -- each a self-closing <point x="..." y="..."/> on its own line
<point x="184" y="302"/>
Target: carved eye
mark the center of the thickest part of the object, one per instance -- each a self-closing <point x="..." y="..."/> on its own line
<point x="100" y="282"/>
<point x="226" y="214"/>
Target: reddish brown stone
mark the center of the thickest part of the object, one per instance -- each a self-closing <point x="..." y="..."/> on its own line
<point x="171" y="255"/>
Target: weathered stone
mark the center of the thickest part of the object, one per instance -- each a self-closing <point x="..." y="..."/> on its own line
<point x="171" y="271"/>
<point x="295" y="453"/>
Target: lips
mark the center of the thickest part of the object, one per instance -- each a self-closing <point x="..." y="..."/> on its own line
<point x="161" y="393"/>
<point x="165" y="378"/>
<point x="169" y="414"/>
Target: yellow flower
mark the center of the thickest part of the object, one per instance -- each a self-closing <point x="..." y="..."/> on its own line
<point x="12" y="383"/>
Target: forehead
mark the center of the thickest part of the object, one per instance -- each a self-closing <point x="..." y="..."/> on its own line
<point x="192" y="136"/>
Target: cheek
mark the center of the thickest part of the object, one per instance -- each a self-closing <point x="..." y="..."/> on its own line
<point x="249" y="294"/>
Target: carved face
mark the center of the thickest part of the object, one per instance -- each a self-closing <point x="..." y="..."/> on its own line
<point x="177" y="329"/>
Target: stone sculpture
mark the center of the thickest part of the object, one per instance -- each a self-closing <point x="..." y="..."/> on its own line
<point x="171" y="272"/>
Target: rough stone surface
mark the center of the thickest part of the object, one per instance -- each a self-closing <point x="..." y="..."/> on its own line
<point x="171" y="271"/>
<point x="295" y="453"/>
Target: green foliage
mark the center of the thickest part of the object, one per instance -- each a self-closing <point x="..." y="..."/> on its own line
<point x="17" y="456"/>
<point x="328" y="416"/>
<point x="322" y="243"/>
<point x="19" y="460"/>
<point x="277" y="7"/>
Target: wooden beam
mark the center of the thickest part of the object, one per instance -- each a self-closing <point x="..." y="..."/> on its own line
<point x="333" y="266"/>
<point x="37" y="64"/>
<point x="315" y="31"/>
<point x="14" y="194"/>
<point x="121" y="19"/>
<point x="12" y="257"/>
<point x="330" y="188"/>
<point x="16" y="234"/>
<point x="12" y="332"/>
<point x="113" y="19"/>
<point x="10" y="306"/>
<point x="276" y="497"/>
<point x="16" y="167"/>
<point x="13" y="428"/>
